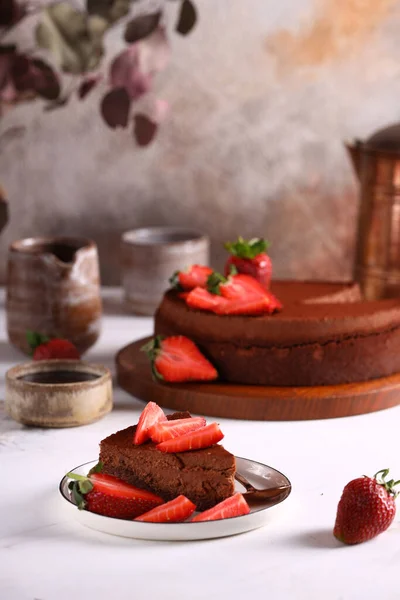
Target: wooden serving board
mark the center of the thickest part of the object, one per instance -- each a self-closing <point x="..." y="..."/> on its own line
<point x="259" y="403"/>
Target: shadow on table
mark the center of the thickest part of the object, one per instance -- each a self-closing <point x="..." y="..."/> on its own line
<point x="319" y="538"/>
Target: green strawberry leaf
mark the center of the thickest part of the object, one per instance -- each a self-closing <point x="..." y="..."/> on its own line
<point x="214" y="281"/>
<point x="174" y="281"/>
<point x="35" y="339"/>
<point x="247" y="248"/>
<point x="96" y="469"/>
<point x="153" y="349"/>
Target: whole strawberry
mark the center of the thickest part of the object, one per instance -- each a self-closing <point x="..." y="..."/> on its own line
<point x="366" y="509"/>
<point x="44" y="348"/>
<point x="250" y="258"/>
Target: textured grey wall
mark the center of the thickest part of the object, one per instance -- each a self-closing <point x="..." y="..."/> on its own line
<point x="262" y="96"/>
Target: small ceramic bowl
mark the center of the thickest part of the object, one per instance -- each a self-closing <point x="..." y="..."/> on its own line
<point x="150" y="256"/>
<point x="58" y="393"/>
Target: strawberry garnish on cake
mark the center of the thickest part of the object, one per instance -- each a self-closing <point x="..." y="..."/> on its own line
<point x="234" y="506"/>
<point x="190" y="278"/>
<point x="250" y="257"/>
<point x="151" y="416"/>
<point x="168" y="430"/>
<point x="177" y="359"/>
<point x="236" y="294"/>
<point x="106" y="495"/>
<point x="175" y="511"/>
<point x="194" y="440"/>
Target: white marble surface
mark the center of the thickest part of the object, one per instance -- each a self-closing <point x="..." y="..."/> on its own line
<point x="44" y="555"/>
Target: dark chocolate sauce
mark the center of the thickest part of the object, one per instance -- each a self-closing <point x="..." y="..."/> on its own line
<point x="52" y="377"/>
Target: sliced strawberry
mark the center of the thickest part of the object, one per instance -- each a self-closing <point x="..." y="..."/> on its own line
<point x="150" y="415"/>
<point x="183" y="295"/>
<point x="194" y="276"/>
<point x="234" y="506"/>
<point x="250" y="306"/>
<point x="241" y="286"/>
<point x="111" y="497"/>
<point x="168" y="430"/>
<point x="174" y="511"/>
<point x="194" y="440"/>
<point x="177" y="359"/>
<point x="202" y="299"/>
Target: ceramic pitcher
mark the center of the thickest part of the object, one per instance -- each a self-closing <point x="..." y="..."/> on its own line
<point x="377" y="165"/>
<point x="53" y="288"/>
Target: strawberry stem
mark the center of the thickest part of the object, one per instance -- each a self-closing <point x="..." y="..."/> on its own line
<point x="153" y="349"/>
<point x="174" y="281"/>
<point x="80" y="486"/>
<point x="247" y="248"/>
<point x="389" y="486"/>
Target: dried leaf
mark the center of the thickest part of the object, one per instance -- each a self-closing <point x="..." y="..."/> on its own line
<point x="6" y="12"/>
<point x="144" y="129"/>
<point x="115" y="108"/>
<point x="34" y="75"/>
<point x="11" y="12"/>
<point x="125" y="73"/>
<point x="45" y="81"/>
<point x="68" y="34"/>
<point x="7" y="54"/>
<point x="110" y="10"/>
<point x="59" y="103"/>
<point x="87" y="85"/>
<point x="187" y="17"/>
<point x="141" y="27"/>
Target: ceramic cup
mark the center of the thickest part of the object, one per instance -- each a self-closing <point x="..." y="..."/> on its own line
<point x="58" y="393"/>
<point x="150" y="256"/>
<point x="53" y="288"/>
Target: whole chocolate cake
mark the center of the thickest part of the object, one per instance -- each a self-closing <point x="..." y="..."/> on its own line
<point x="325" y="334"/>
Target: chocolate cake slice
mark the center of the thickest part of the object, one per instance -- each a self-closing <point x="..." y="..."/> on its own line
<point x="204" y="476"/>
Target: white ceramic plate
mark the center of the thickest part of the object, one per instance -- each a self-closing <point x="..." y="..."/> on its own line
<point x="259" y="475"/>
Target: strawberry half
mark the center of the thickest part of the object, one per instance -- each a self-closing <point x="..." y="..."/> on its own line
<point x="366" y="509"/>
<point x="194" y="440"/>
<point x="150" y="415"/>
<point x="249" y="257"/>
<point x="236" y="295"/>
<point x="177" y="358"/>
<point x="175" y="511"/>
<point x="168" y="430"/>
<point x="234" y="506"/>
<point x="194" y="276"/>
<point x="106" y="495"/>
<point x="202" y="299"/>
<point x="44" y="348"/>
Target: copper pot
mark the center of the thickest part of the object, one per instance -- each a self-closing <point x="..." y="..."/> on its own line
<point x="377" y="165"/>
<point x="53" y="288"/>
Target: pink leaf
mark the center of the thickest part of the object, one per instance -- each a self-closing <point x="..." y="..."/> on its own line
<point x="154" y="52"/>
<point x="125" y="72"/>
<point x="115" y="108"/>
<point x="144" y="129"/>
